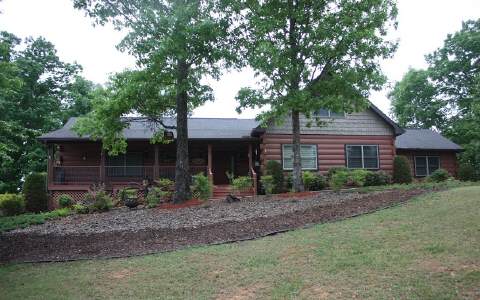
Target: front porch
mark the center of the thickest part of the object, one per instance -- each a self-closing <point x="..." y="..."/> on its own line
<point x="76" y="166"/>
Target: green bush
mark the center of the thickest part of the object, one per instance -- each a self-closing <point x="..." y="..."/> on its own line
<point x="313" y="182"/>
<point x="377" y="178"/>
<point x="65" y="201"/>
<point x="99" y="199"/>
<point x="157" y="195"/>
<point x="165" y="184"/>
<point x="339" y="179"/>
<point x="12" y="204"/>
<point x="81" y="209"/>
<point x="358" y="177"/>
<point x="242" y="183"/>
<point x="274" y="168"/>
<point x="267" y="183"/>
<point x="25" y="220"/>
<point x="401" y="170"/>
<point x="201" y="186"/>
<point x="334" y="170"/>
<point x="125" y="193"/>
<point x="438" y="175"/>
<point x="35" y="192"/>
<point x="466" y="172"/>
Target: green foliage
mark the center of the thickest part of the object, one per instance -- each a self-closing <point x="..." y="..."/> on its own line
<point x="165" y="184"/>
<point x="359" y="176"/>
<point x="154" y="197"/>
<point x="65" y="201"/>
<point x="334" y="170"/>
<point x="25" y="220"/>
<point x="446" y="95"/>
<point x="12" y="204"/>
<point x="81" y="209"/>
<point x="242" y="183"/>
<point x="201" y="186"/>
<point x="313" y="55"/>
<point x="439" y="175"/>
<point x="125" y="193"/>
<point x="466" y="172"/>
<point x="401" y="170"/>
<point x="377" y="178"/>
<point x="98" y="198"/>
<point x="37" y="93"/>
<point x="339" y="180"/>
<point x="268" y="184"/>
<point x="313" y="182"/>
<point x="274" y="168"/>
<point x="35" y="192"/>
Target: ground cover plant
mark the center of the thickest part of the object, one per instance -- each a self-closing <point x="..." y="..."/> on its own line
<point x="25" y="220"/>
<point x="425" y="249"/>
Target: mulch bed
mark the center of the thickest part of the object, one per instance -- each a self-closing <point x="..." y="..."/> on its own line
<point x="124" y="233"/>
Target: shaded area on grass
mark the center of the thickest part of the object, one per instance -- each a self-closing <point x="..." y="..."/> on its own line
<point x="426" y="249"/>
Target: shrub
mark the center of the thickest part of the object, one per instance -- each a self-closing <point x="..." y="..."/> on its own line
<point x="274" y="168"/>
<point x="201" y="186"/>
<point x="377" y="178"/>
<point x="12" y="204"/>
<point x="125" y="193"/>
<point x="157" y="195"/>
<point x="99" y="199"/>
<point x="65" y="201"/>
<point x="401" y="170"/>
<point x="339" y="179"/>
<point x="334" y="170"/>
<point x="466" y="172"/>
<point x="34" y="190"/>
<point x="81" y="209"/>
<point x="242" y="183"/>
<point x="438" y="175"/>
<point x="25" y="220"/>
<point x="358" y="177"/>
<point x="313" y="182"/>
<point x="165" y="184"/>
<point x="268" y="184"/>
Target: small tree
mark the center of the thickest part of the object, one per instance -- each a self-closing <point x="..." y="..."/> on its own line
<point x="401" y="170"/>
<point x="274" y="168"/>
<point x="35" y="192"/>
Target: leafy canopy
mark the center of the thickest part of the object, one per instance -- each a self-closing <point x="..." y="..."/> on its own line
<point x="315" y="54"/>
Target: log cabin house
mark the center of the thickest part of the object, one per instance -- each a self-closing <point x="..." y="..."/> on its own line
<point x="367" y="140"/>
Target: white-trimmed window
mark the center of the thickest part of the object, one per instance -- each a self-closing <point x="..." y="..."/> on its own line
<point x="326" y="113"/>
<point x="426" y="165"/>
<point x="308" y="155"/>
<point x="362" y="156"/>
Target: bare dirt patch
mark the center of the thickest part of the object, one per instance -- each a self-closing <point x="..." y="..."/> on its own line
<point x="122" y="232"/>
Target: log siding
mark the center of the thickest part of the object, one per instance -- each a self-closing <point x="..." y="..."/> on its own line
<point x="448" y="159"/>
<point x="330" y="148"/>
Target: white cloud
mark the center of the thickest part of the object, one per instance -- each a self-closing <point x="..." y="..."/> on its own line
<point x="423" y="25"/>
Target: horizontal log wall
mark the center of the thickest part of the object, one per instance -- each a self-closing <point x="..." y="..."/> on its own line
<point x="448" y="159"/>
<point x="330" y="148"/>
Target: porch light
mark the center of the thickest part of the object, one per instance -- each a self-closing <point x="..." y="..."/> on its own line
<point x="84" y="156"/>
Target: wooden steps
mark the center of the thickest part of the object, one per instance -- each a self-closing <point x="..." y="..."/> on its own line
<point x="222" y="191"/>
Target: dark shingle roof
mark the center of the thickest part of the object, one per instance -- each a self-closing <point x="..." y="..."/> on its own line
<point x="424" y="139"/>
<point x="198" y="128"/>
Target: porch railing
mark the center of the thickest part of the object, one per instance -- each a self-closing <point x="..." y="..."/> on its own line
<point x="91" y="174"/>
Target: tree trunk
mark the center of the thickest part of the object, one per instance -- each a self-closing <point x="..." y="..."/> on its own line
<point x="297" y="163"/>
<point x="182" y="172"/>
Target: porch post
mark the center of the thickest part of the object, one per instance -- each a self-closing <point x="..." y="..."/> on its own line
<point x="156" y="170"/>
<point x="51" y="157"/>
<point x="102" y="165"/>
<point x="251" y="169"/>
<point x="209" y="171"/>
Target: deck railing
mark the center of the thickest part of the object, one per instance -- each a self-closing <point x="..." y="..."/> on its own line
<point x="91" y="174"/>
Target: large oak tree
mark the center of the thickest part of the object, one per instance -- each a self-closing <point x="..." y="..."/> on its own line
<point x="177" y="43"/>
<point x="314" y="54"/>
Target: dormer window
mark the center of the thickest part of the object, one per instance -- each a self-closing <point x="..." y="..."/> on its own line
<point x="327" y="113"/>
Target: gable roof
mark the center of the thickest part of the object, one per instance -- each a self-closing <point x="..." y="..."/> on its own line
<point x="198" y="128"/>
<point x="424" y="139"/>
<point x="396" y="129"/>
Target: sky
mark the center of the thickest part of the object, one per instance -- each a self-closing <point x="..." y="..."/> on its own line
<point x="423" y="26"/>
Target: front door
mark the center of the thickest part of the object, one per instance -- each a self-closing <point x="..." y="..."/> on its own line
<point x="222" y="162"/>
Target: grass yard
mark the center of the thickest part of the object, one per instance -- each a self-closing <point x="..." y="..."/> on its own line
<point x="426" y="249"/>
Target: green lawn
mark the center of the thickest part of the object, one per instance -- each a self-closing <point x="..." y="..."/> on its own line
<point x="426" y="249"/>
